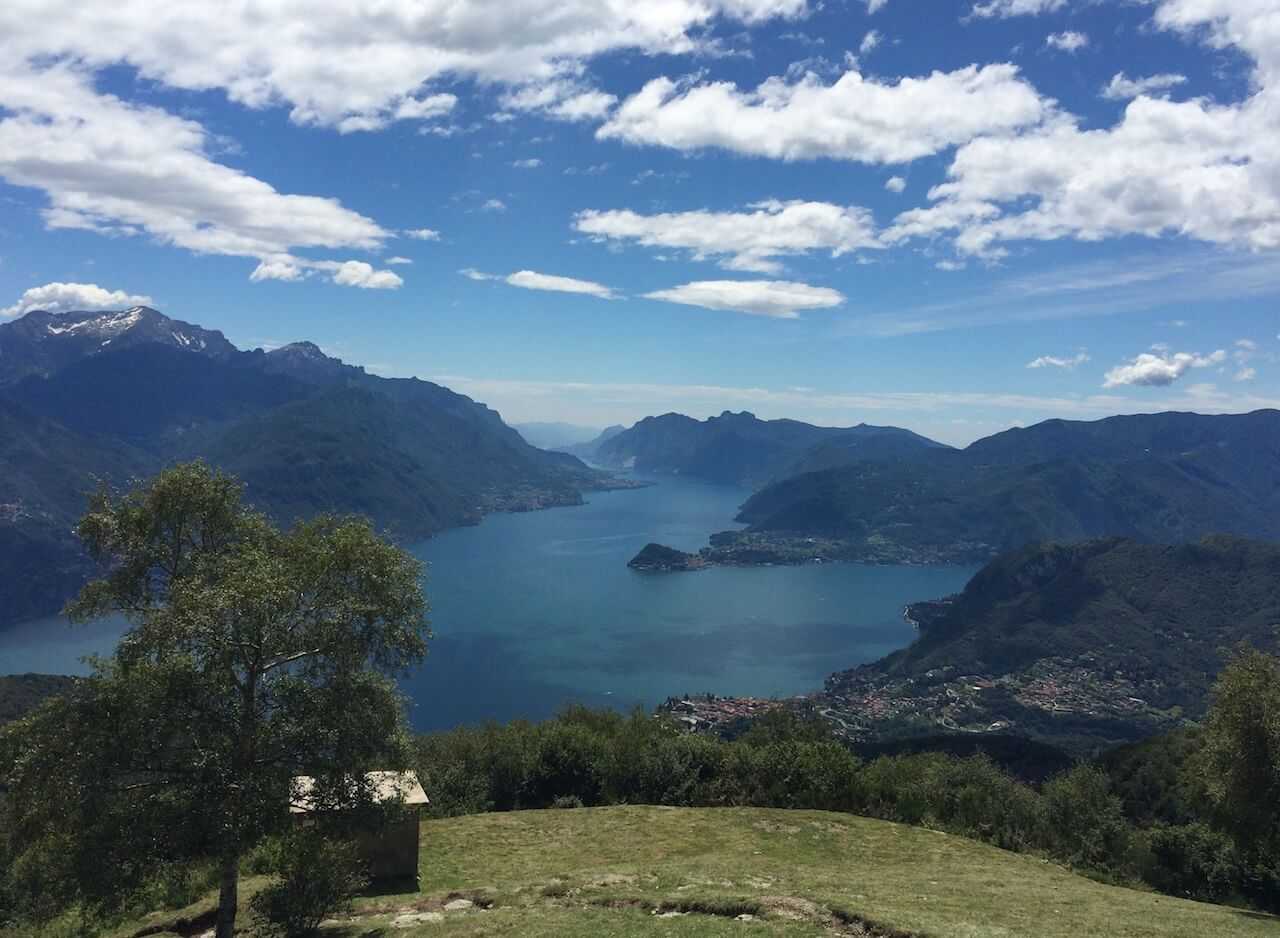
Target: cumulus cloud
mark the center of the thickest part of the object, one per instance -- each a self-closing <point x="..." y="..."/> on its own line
<point x="397" y="261"/>
<point x="532" y="280"/>
<point x="493" y="205"/>
<point x="1122" y="88"/>
<point x="1196" y="169"/>
<point x="854" y="118"/>
<point x="779" y="299"/>
<point x="563" y="98"/>
<point x="895" y="184"/>
<point x="749" y="240"/>
<point x="1006" y="8"/>
<point x="1159" y="368"/>
<point x="358" y="66"/>
<point x="1068" y="41"/>
<point x="531" y="163"/>
<point x="1055" y="361"/>
<point x="343" y="273"/>
<point x="870" y="41"/>
<point x="360" y="274"/>
<point x="874" y="6"/>
<point x="422" y="234"/>
<point x="125" y="169"/>
<point x="64" y="297"/>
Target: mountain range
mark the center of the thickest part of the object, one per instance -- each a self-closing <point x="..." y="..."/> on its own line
<point x="117" y="395"/>
<point x="741" y="449"/>
<point x="1162" y="478"/>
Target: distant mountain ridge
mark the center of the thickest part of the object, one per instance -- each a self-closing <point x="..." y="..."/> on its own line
<point x="41" y="343"/>
<point x="116" y="395"/>
<point x="1161" y="478"/>
<point x="741" y="449"/>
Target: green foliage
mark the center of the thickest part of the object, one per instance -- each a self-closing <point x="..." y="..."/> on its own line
<point x="254" y="655"/>
<point x="1192" y="860"/>
<point x="1083" y="819"/>
<point x="317" y="878"/>
<point x="1240" y="764"/>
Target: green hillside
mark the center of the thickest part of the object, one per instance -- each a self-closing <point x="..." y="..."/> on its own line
<point x="697" y="872"/>
<point x="1162" y="478"/>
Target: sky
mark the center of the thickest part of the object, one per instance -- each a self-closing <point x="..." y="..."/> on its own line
<point x="950" y="216"/>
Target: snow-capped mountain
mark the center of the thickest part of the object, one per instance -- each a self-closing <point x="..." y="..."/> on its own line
<point x="42" y="343"/>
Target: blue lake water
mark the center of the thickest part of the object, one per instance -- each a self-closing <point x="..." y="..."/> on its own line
<point x="531" y="611"/>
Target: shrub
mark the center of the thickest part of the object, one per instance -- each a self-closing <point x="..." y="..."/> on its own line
<point x="1084" y="822"/>
<point x="1191" y="860"/>
<point x="318" y="877"/>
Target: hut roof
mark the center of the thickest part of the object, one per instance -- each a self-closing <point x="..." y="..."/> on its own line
<point x="401" y="787"/>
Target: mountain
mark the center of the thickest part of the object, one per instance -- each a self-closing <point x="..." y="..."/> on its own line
<point x="1087" y="644"/>
<point x="590" y="450"/>
<point x="741" y="449"/>
<point x="1161" y="478"/>
<point x="118" y="395"/>
<point x="555" y="435"/>
<point x="41" y="343"/>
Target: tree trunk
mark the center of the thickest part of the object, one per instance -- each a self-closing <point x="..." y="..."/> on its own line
<point x="228" y="895"/>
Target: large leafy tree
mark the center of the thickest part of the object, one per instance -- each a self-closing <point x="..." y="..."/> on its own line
<point x="254" y="655"/>
<point x="1241" y="756"/>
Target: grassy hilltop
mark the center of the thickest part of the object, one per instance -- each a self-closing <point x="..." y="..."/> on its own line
<point x="697" y="871"/>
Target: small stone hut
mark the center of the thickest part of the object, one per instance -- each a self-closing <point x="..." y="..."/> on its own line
<point x="391" y="851"/>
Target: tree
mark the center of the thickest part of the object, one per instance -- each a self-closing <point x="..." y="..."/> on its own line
<point x="254" y="655"/>
<point x="1240" y="760"/>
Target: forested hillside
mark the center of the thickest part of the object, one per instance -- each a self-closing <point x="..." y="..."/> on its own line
<point x="114" y="396"/>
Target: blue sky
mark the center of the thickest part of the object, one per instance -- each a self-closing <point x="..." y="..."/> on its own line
<point x="592" y="211"/>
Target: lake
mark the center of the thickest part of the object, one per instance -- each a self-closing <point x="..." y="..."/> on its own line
<point x="531" y="611"/>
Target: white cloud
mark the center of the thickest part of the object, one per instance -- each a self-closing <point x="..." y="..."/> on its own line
<point x="875" y="6"/>
<point x="493" y="205"/>
<point x="855" y="118"/>
<point x="422" y="234"/>
<point x="1122" y="88"/>
<point x="65" y="297"/>
<point x="951" y="266"/>
<point x="895" y="184"/>
<point x="359" y="66"/>
<point x="1196" y="169"/>
<point x="1159" y="368"/>
<point x="531" y="163"/>
<point x="1068" y="41"/>
<point x="1054" y="361"/>
<point x="532" y="280"/>
<point x="125" y="169"/>
<point x="360" y="274"/>
<point x="278" y="268"/>
<point x="870" y="41"/>
<point x="779" y="299"/>
<point x="397" y="261"/>
<point x="1007" y="8"/>
<point x="750" y="240"/>
<point x="1246" y="374"/>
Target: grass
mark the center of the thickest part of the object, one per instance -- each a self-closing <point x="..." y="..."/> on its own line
<point x="616" y="871"/>
<point x="745" y="872"/>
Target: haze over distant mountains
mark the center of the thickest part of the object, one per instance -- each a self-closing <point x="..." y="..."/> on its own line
<point x="116" y="395"/>
<point x="741" y="449"/>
